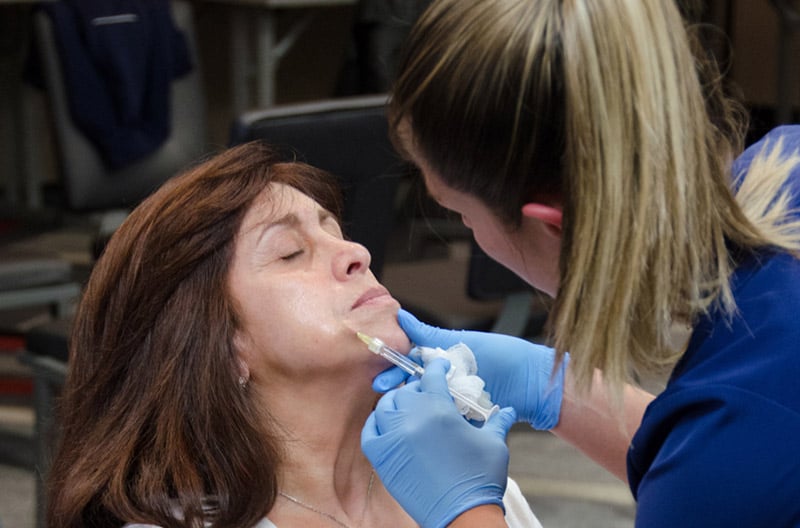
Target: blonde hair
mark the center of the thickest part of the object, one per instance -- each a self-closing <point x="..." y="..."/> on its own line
<point x="605" y="103"/>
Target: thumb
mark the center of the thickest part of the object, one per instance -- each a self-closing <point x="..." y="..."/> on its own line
<point x="388" y="379"/>
<point x="501" y="422"/>
<point x="435" y="378"/>
<point x="425" y="335"/>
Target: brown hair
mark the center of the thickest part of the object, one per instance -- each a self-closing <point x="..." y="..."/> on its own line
<point x="155" y="427"/>
<point x="604" y="104"/>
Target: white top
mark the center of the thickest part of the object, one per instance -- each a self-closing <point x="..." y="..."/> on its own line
<point x="518" y="512"/>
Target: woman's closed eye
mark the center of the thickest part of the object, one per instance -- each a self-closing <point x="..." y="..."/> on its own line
<point x="292" y="255"/>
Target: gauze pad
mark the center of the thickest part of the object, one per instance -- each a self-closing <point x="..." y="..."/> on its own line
<point x="462" y="375"/>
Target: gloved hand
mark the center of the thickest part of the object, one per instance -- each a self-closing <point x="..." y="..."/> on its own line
<point x="432" y="461"/>
<point x="517" y="372"/>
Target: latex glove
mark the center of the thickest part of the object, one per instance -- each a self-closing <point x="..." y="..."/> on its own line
<point x="432" y="461"/>
<point x="517" y="372"/>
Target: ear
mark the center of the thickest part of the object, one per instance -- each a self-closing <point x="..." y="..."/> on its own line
<point x="243" y="355"/>
<point x="550" y="215"/>
<point x="244" y="369"/>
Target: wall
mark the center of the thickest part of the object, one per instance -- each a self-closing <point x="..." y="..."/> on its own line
<point x="755" y="36"/>
<point x="310" y="69"/>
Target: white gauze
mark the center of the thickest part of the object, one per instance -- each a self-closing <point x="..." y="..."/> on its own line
<point x="462" y="375"/>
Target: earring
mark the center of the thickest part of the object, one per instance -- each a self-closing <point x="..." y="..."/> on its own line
<point x="242" y="382"/>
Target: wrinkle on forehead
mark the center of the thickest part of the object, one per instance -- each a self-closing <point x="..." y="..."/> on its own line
<point x="275" y="200"/>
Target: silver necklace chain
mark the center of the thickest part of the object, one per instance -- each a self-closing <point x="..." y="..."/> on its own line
<point x="328" y="515"/>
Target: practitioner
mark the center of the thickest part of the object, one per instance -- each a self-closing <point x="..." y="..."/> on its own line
<point x="592" y="151"/>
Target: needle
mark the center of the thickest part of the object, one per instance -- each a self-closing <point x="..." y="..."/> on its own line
<point x="409" y="367"/>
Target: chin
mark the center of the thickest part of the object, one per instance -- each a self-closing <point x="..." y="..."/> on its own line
<point x="380" y="322"/>
<point x="398" y="341"/>
<point x="388" y="331"/>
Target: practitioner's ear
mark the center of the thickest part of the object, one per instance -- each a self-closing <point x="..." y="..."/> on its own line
<point x="550" y="215"/>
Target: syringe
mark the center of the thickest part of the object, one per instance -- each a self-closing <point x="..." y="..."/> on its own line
<point x="379" y="347"/>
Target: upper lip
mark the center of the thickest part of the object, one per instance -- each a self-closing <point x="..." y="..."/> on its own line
<point x="369" y="295"/>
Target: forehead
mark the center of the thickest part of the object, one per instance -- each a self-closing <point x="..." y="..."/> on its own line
<point x="433" y="183"/>
<point x="275" y="201"/>
<point x="445" y="195"/>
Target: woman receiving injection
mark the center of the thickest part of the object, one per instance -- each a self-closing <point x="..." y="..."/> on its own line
<point x="196" y="394"/>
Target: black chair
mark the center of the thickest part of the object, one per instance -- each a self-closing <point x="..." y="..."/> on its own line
<point x="347" y="137"/>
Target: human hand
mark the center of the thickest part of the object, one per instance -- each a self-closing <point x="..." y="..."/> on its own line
<point x="517" y="373"/>
<point x="432" y="461"/>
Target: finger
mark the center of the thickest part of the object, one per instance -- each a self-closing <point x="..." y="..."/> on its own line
<point x="415" y="354"/>
<point x="426" y="335"/>
<point x="435" y="377"/>
<point x="500" y="423"/>
<point x="383" y="408"/>
<point x="373" y="444"/>
<point x="389" y="379"/>
<point x="391" y="402"/>
<point x="370" y="430"/>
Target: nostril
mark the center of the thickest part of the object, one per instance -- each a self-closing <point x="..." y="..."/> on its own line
<point x="353" y="267"/>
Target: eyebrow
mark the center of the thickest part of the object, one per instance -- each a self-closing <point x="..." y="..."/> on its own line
<point x="290" y="220"/>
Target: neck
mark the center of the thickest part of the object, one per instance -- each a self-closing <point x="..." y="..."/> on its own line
<point x="324" y="466"/>
<point x="322" y="423"/>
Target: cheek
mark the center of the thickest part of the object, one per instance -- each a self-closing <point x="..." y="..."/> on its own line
<point x="490" y="241"/>
<point x="283" y="314"/>
<point x="500" y="248"/>
<point x="287" y="332"/>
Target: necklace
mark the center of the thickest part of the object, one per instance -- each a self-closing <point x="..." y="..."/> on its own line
<point x="328" y="515"/>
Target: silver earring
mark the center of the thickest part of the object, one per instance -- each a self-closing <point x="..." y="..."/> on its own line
<point x="242" y="382"/>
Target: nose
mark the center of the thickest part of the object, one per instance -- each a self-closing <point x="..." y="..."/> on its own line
<point x="351" y="259"/>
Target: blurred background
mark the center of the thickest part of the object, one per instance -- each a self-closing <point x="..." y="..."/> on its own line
<point x="62" y="193"/>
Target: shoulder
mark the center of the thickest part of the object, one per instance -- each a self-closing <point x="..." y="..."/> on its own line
<point x="788" y="135"/>
<point x="716" y="455"/>
<point x="518" y="511"/>
<point x="726" y="426"/>
<point x="756" y="348"/>
<point x="784" y="138"/>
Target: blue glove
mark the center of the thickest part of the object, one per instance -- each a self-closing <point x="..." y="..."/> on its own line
<point x="432" y="461"/>
<point x="517" y="372"/>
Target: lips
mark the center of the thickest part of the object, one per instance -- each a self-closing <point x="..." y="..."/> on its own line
<point x="369" y="295"/>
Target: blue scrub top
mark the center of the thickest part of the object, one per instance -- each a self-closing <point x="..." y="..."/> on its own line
<point x="721" y="445"/>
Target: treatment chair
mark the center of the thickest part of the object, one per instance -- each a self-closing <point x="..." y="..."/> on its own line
<point x="347" y="137"/>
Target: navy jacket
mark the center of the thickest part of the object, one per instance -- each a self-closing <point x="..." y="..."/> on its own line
<point x="720" y="446"/>
<point x="119" y="58"/>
